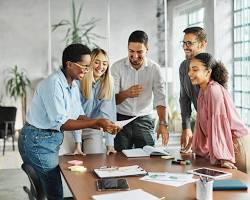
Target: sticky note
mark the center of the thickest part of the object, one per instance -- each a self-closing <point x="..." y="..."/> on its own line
<point x="76" y="168"/>
<point x="168" y="157"/>
<point x="75" y="162"/>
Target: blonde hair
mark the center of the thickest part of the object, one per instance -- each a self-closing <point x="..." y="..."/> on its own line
<point x="88" y="79"/>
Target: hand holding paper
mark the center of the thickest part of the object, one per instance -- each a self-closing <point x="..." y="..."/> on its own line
<point x="124" y="122"/>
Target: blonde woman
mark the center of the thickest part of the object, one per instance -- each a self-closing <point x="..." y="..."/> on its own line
<point x="98" y="101"/>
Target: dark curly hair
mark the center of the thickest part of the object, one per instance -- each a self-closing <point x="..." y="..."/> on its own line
<point x="219" y="71"/>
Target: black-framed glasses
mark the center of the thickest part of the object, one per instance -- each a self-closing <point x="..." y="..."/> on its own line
<point x="85" y="68"/>
<point x="187" y="43"/>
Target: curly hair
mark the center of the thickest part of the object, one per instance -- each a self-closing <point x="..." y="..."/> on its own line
<point x="219" y="71"/>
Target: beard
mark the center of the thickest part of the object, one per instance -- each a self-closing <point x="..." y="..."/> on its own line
<point x="137" y="62"/>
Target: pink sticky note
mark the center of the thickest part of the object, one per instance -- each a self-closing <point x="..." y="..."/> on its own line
<point x="75" y="162"/>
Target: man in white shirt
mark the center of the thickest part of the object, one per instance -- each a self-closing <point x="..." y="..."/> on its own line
<point x="139" y="85"/>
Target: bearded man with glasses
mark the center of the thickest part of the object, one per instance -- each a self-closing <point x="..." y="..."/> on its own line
<point x="194" y="42"/>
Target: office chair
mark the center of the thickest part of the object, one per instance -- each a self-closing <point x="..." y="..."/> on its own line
<point x="35" y="192"/>
<point x="7" y="124"/>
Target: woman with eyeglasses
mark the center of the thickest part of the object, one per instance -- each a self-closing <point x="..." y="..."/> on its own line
<point x="219" y="134"/>
<point x="98" y="101"/>
<point x="55" y="108"/>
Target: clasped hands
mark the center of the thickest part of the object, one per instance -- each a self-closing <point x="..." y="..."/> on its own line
<point x="108" y="126"/>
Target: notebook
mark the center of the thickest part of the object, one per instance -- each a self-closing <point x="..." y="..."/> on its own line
<point x="229" y="184"/>
<point x="146" y="151"/>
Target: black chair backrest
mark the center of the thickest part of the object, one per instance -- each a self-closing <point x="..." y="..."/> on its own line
<point x="36" y="188"/>
<point x="7" y="114"/>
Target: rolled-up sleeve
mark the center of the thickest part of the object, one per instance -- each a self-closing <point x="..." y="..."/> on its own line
<point x="159" y="88"/>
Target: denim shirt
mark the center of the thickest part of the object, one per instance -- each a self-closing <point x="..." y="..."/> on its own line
<point x="96" y="108"/>
<point x="54" y="102"/>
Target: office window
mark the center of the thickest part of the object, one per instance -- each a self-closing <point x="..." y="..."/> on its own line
<point x="241" y="68"/>
<point x="196" y="17"/>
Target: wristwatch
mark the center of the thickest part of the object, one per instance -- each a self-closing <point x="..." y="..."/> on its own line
<point x="163" y="122"/>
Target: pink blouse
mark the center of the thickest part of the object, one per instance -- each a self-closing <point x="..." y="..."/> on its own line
<point x="216" y="124"/>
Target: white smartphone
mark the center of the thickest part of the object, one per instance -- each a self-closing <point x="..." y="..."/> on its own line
<point x="210" y="173"/>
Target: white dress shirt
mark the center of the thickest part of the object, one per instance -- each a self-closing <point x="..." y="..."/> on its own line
<point x="149" y="76"/>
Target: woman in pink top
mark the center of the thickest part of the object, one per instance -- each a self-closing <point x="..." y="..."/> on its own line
<point x="219" y="134"/>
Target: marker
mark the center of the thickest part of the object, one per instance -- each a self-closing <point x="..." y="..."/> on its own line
<point x="181" y="162"/>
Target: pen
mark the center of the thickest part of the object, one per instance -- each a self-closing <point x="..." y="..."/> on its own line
<point x="162" y="198"/>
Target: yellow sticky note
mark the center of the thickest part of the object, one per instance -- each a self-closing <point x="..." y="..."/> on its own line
<point x="168" y="157"/>
<point x="76" y="168"/>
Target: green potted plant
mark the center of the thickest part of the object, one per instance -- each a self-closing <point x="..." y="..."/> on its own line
<point x="16" y="85"/>
<point x="76" y="32"/>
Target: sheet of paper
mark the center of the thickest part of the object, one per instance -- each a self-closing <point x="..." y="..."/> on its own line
<point x="133" y="153"/>
<point x="124" y="122"/>
<point x="172" y="179"/>
<point x="132" y="194"/>
<point x="120" y="171"/>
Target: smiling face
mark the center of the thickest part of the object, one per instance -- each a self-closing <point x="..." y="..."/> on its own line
<point x="192" y="46"/>
<point x="99" y="65"/>
<point x="136" y="53"/>
<point x="80" y="68"/>
<point x="198" y="73"/>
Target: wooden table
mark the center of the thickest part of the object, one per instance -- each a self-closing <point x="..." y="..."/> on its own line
<point x="82" y="185"/>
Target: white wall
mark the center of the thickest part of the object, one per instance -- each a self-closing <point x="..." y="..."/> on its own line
<point x="23" y="40"/>
<point x="24" y="33"/>
<point x="128" y="16"/>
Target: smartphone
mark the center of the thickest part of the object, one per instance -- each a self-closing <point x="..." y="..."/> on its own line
<point x="112" y="184"/>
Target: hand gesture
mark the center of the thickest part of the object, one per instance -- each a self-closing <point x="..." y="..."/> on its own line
<point x="108" y="126"/>
<point x="186" y="141"/>
<point x="110" y="150"/>
<point x="134" y="91"/>
<point x="78" y="149"/>
<point x="163" y="131"/>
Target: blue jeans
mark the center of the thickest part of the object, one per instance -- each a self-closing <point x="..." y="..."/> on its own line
<point x="40" y="149"/>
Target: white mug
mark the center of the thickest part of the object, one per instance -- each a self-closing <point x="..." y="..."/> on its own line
<point x="204" y="190"/>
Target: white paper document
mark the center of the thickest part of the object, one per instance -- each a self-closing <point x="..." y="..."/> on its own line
<point x="128" y="195"/>
<point x="133" y="170"/>
<point x="124" y="122"/>
<point x="146" y="151"/>
<point x="172" y="179"/>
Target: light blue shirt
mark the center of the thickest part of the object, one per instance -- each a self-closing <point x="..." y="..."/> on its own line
<point x="99" y="108"/>
<point x="54" y="102"/>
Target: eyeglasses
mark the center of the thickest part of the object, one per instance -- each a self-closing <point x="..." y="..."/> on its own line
<point x="85" y="68"/>
<point x="187" y="43"/>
